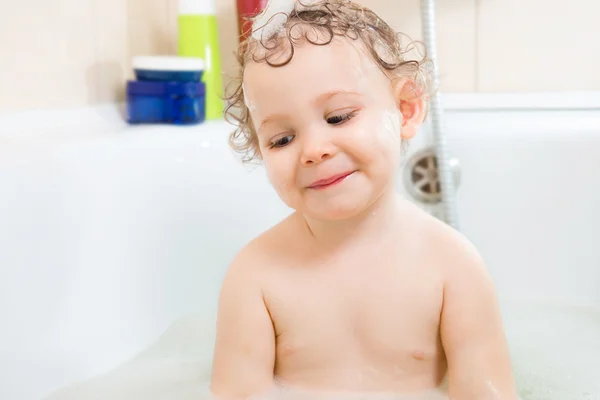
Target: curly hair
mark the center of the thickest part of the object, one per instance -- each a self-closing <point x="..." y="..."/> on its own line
<point x="326" y="19"/>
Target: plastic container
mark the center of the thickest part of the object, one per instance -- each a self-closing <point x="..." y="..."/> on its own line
<point x="247" y="9"/>
<point x="178" y="103"/>
<point x="168" y="68"/>
<point x="198" y="37"/>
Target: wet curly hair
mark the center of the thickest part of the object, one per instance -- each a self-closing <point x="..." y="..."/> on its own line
<point x="322" y="21"/>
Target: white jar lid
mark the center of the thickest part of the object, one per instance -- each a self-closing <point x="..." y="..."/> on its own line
<point x="168" y="63"/>
<point x="197" y="7"/>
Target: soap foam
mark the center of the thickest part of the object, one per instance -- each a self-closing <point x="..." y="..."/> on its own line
<point x="273" y="18"/>
<point x="554" y="351"/>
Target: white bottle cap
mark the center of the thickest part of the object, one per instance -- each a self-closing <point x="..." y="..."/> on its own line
<point x="197" y="7"/>
<point x="168" y="63"/>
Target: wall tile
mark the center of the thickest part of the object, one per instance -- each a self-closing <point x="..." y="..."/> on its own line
<point x="111" y="40"/>
<point x="228" y="37"/>
<point x="66" y="53"/>
<point x="46" y="51"/>
<point x="455" y="30"/>
<point x="538" y="45"/>
<point x="456" y="44"/>
<point x="150" y="27"/>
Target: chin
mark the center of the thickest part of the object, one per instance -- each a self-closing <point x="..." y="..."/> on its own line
<point x="346" y="208"/>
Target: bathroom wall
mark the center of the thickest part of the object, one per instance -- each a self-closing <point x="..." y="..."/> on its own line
<point x="67" y="53"/>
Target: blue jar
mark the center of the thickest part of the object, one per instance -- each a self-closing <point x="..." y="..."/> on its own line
<point x="168" y="68"/>
<point x="172" y="102"/>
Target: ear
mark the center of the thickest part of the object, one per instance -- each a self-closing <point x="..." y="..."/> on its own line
<point x="411" y="105"/>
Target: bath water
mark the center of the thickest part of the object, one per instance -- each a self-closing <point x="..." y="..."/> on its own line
<point x="555" y="352"/>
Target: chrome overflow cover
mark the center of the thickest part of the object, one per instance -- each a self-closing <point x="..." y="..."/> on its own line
<point x="421" y="177"/>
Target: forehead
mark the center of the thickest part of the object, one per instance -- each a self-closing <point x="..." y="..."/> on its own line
<point x="314" y="69"/>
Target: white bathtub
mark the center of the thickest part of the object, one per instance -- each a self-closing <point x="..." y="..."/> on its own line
<point x="109" y="234"/>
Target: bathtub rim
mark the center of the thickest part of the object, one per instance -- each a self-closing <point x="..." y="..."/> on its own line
<point x="108" y="116"/>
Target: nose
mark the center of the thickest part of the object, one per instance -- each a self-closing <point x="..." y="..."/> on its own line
<point x="316" y="148"/>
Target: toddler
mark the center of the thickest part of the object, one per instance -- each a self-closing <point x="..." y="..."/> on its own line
<point x="358" y="292"/>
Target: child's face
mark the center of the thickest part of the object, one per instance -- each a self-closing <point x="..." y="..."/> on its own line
<point x="331" y="111"/>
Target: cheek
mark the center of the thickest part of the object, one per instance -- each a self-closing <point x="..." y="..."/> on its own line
<point x="389" y="127"/>
<point x="279" y="173"/>
<point x="388" y="138"/>
<point x="379" y="147"/>
<point x="379" y="135"/>
<point x="271" y="169"/>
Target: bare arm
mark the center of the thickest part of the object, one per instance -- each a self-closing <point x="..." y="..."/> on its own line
<point x="473" y="335"/>
<point x="244" y="354"/>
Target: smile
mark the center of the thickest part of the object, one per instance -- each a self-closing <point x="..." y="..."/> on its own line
<point x="331" y="181"/>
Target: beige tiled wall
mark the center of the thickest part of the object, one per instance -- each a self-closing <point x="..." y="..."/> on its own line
<point x="65" y="53"/>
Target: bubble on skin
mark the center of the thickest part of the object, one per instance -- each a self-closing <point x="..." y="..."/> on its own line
<point x="493" y="390"/>
<point x="251" y="106"/>
<point x="390" y="122"/>
<point x="272" y="20"/>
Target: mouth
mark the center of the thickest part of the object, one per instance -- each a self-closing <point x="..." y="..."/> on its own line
<point x="331" y="181"/>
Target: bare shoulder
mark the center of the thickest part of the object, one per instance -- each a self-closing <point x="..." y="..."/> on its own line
<point x="466" y="278"/>
<point x="259" y="255"/>
<point x="248" y="273"/>
<point x="455" y="254"/>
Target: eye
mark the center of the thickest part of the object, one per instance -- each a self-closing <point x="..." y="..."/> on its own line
<point x="340" y="119"/>
<point x="281" y="142"/>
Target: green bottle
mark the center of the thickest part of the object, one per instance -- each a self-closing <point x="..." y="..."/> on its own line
<point x="198" y="37"/>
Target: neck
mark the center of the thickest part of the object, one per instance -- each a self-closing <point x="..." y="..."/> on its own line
<point x="371" y="222"/>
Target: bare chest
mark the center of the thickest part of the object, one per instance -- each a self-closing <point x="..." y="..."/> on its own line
<point x="375" y="314"/>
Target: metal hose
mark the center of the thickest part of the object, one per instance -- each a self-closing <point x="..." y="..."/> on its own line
<point x="443" y="159"/>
